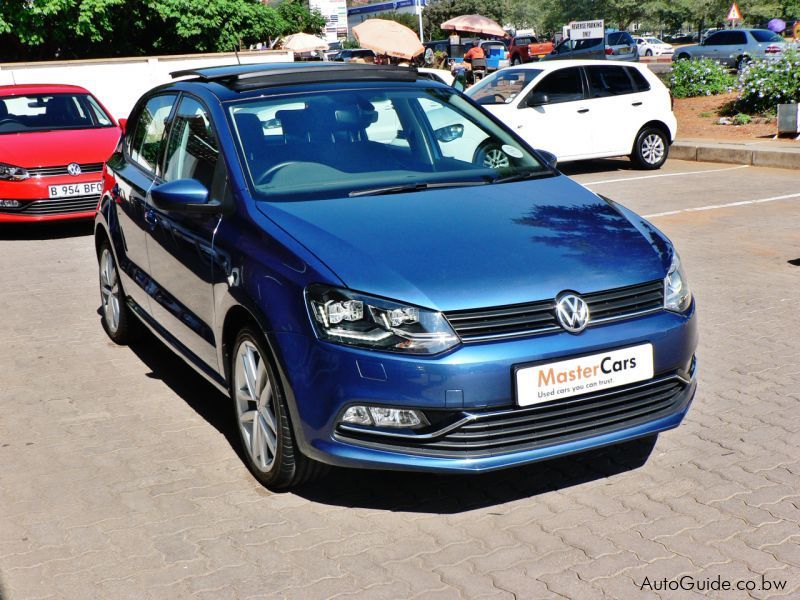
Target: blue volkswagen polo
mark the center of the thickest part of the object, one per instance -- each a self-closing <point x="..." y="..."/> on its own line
<point x="382" y="275"/>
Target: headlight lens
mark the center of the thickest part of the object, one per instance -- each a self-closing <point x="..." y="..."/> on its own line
<point x="354" y="319"/>
<point x="677" y="294"/>
<point x="12" y="173"/>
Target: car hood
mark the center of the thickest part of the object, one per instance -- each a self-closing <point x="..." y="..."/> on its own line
<point x="57" y="148"/>
<point x="462" y="248"/>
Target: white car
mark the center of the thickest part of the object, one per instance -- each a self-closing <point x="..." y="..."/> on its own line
<point x="652" y="46"/>
<point x="580" y="109"/>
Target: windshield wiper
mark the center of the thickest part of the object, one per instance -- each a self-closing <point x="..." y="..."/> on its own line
<point x="414" y="187"/>
<point x="523" y="176"/>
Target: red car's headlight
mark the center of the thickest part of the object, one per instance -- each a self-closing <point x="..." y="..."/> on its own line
<point x="12" y="173"/>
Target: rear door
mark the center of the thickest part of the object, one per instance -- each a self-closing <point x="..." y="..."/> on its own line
<point x="563" y="123"/>
<point x="134" y="172"/>
<point x="619" y="104"/>
<point x="180" y="244"/>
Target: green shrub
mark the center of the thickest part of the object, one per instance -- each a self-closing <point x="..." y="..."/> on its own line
<point x="703" y="77"/>
<point x="741" y="119"/>
<point x="765" y="84"/>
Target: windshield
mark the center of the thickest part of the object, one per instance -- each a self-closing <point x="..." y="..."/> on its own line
<point x="364" y="141"/>
<point x="501" y="87"/>
<point x="763" y="35"/>
<point x="45" y="112"/>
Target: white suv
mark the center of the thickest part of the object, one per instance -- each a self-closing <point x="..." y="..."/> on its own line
<point x="584" y="109"/>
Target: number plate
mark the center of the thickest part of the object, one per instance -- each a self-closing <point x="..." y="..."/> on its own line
<point x="576" y="376"/>
<point x="75" y="189"/>
<point x="624" y="50"/>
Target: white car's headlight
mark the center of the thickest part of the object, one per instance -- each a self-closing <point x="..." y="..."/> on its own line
<point x="345" y="317"/>
<point x="12" y="173"/>
<point x="677" y="294"/>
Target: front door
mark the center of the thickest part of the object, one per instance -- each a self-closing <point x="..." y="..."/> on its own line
<point x="560" y="121"/>
<point x="181" y="245"/>
<point x="134" y="172"/>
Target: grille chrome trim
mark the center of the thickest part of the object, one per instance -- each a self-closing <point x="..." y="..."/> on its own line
<point x="536" y="318"/>
<point x="63" y="206"/>
<point x="62" y="170"/>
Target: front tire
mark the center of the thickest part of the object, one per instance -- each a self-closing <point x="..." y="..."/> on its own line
<point x="491" y="156"/>
<point x="515" y="62"/>
<point x="742" y="62"/>
<point x="262" y="417"/>
<point x="648" y="53"/>
<point x="116" y="317"/>
<point x="651" y="148"/>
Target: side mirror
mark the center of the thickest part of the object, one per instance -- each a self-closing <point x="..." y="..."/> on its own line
<point x="123" y="124"/>
<point x="183" y="195"/>
<point x="537" y="99"/>
<point x="550" y="159"/>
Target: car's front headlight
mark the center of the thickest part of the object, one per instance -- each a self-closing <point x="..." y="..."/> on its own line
<point x="354" y="319"/>
<point x="12" y="173"/>
<point x="677" y="294"/>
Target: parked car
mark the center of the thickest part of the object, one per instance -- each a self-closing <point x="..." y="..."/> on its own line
<point x="652" y="46"/>
<point x="735" y="48"/>
<point x="615" y="45"/>
<point x="440" y="75"/>
<point x="54" y="140"/>
<point x="584" y="109"/>
<point x="351" y="54"/>
<point x="380" y="304"/>
<point x="526" y="48"/>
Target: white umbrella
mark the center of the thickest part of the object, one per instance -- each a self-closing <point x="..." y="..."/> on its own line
<point x="304" y="42"/>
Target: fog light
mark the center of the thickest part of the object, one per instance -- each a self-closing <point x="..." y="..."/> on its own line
<point x="379" y="416"/>
<point x="10" y="204"/>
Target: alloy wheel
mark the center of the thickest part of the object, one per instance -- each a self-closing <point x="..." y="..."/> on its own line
<point x="110" y="291"/>
<point x="653" y="149"/>
<point x="255" y="406"/>
<point x="495" y="158"/>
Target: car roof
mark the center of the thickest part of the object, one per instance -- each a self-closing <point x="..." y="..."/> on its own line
<point x="552" y="65"/>
<point x="40" y="88"/>
<point x="235" y="82"/>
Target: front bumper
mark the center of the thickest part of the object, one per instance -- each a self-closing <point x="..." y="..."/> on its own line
<point x="36" y="204"/>
<point x="472" y="381"/>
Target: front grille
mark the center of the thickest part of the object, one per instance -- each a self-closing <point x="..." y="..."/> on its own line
<point x="62" y="170"/>
<point x="59" y="207"/>
<point x="490" y="433"/>
<point x="540" y="317"/>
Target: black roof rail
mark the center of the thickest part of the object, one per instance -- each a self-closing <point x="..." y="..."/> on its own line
<point x="245" y="77"/>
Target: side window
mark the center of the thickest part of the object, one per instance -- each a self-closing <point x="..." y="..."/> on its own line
<point x="639" y="80"/>
<point x="739" y="38"/>
<point x="609" y="81"/>
<point x="148" y="137"/>
<point x="457" y="136"/>
<point x="192" y="148"/>
<point x="380" y="122"/>
<point x="614" y="39"/>
<point x="564" y="85"/>
<point x="723" y="38"/>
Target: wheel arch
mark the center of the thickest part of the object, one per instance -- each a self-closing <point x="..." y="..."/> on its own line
<point x="660" y="125"/>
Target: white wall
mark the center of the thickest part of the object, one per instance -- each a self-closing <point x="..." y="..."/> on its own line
<point x="118" y="83"/>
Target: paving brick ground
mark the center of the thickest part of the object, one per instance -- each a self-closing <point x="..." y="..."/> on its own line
<point x="119" y="479"/>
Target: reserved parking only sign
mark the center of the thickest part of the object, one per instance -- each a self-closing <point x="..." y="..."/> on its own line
<point x="586" y="30"/>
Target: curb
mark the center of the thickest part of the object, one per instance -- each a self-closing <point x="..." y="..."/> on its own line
<point x="757" y="154"/>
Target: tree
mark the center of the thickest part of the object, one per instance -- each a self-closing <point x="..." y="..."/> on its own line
<point x="298" y="18"/>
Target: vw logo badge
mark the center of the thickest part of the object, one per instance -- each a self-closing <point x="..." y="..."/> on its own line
<point x="572" y="312"/>
<point x="74" y="169"/>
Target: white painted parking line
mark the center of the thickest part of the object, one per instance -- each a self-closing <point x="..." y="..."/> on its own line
<point x="729" y="205"/>
<point x="624" y="179"/>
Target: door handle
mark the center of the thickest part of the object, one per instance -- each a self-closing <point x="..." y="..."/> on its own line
<point x="583" y="110"/>
<point x="636" y="104"/>
<point x="150" y="217"/>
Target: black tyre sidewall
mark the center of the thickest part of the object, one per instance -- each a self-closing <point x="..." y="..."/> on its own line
<point x="637" y="149"/>
<point x="282" y="473"/>
<point x="123" y="334"/>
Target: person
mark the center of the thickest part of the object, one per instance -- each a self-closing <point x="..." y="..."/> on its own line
<point x="475" y="52"/>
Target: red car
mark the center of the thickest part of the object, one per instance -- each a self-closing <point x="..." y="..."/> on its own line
<point x="54" y="140"/>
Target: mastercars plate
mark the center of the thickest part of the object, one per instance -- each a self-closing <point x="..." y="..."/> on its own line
<point x="576" y="376"/>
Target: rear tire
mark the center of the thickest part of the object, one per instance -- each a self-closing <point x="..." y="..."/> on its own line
<point x="742" y="62"/>
<point x="262" y="417"/>
<point x="491" y="156"/>
<point x="651" y="148"/>
<point x="682" y="56"/>
<point x="516" y="61"/>
<point x="119" y="323"/>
